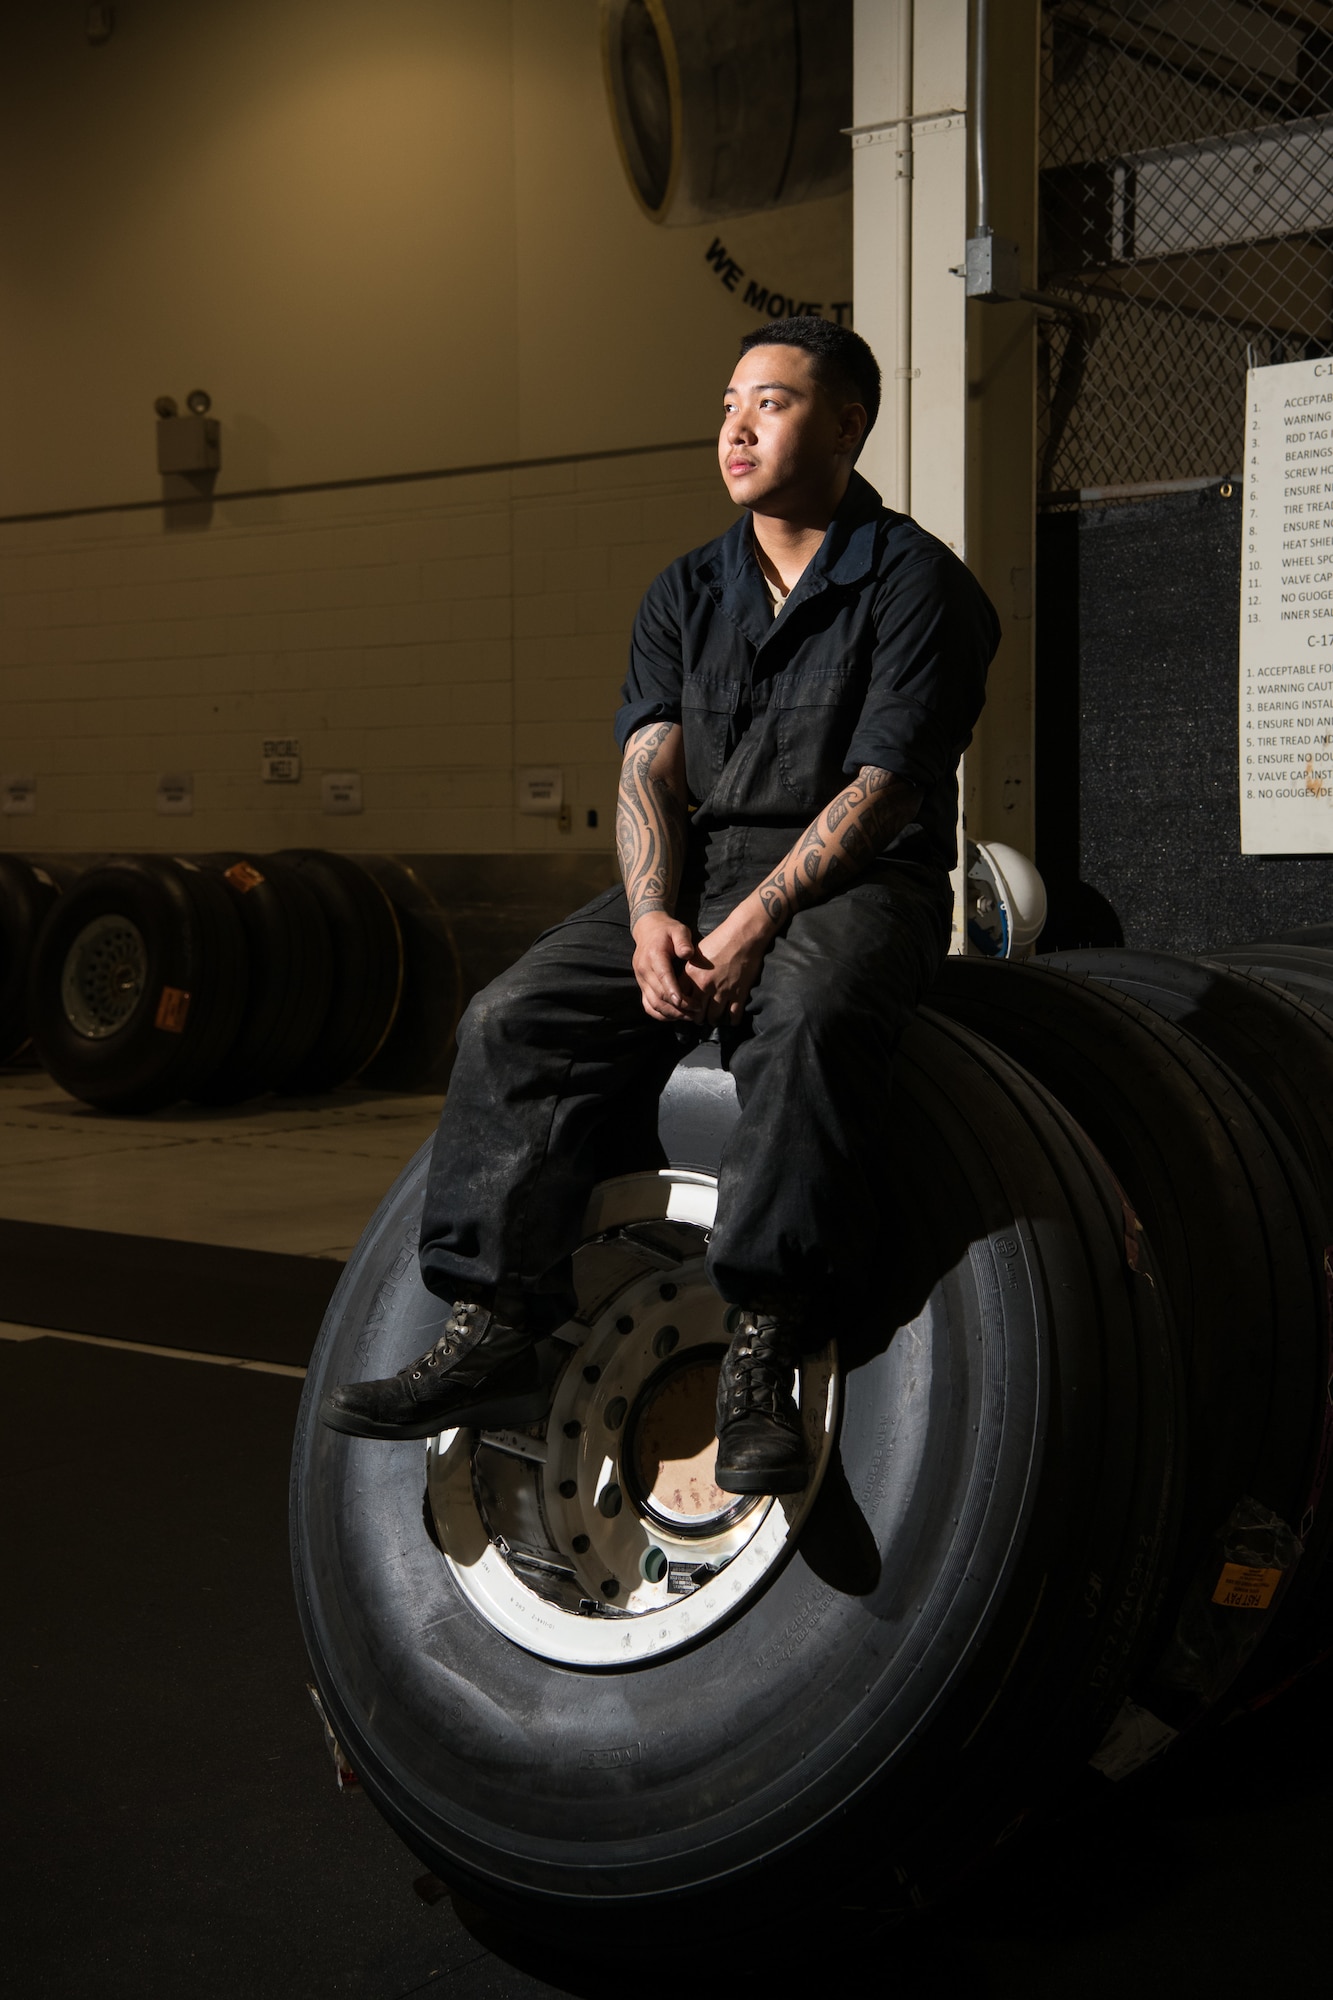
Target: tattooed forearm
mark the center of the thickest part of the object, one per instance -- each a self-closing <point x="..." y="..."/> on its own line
<point x="857" y="845"/>
<point x="840" y="844"/>
<point x="773" y="894"/>
<point x="651" y="819"/>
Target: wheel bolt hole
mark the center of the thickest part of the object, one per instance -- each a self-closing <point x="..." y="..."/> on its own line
<point x="624" y="1324"/>
<point x="666" y="1291"/>
<point x="580" y="1545"/>
<point x="573" y="1428"/>
<point x="653" y="1565"/>
<point x="665" y="1341"/>
<point x="614" y="1415"/>
<point x="610" y="1586"/>
<point x="608" y="1501"/>
<point x="592" y="1373"/>
<point x="568" y="1489"/>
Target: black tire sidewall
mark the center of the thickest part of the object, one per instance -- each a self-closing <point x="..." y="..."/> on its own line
<point x="522" y="1779"/>
<point x="291" y="976"/>
<point x="26" y="896"/>
<point x="193" y="945"/>
<point x="367" y="948"/>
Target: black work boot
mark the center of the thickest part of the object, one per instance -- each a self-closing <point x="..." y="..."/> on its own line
<point x="760" y="1439"/>
<point x="479" y="1372"/>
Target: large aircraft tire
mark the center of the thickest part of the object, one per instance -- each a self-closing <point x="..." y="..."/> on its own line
<point x="291" y="976"/>
<point x="27" y="892"/>
<point x="1239" y="1230"/>
<point x="138" y="983"/>
<point x="912" y="1664"/>
<point x="367" y="971"/>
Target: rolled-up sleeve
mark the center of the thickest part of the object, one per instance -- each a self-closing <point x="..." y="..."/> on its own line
<point x="651" y="690"/>
<point x="935" y="635"/>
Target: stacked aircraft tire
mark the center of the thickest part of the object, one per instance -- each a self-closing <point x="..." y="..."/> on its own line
<point x="221" y="977"/>
<point x="1230" y="1179"/>
<point x="28" y="891"/>
<point x="138" y="982"/>
<point x="1078" y="1508"/>
<point x="288" y="951"/>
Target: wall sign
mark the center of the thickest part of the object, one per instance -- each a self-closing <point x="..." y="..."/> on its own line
<point x="769" y="304"/>
<point x="18" y="793"/>
<point x="340" y="792"/>
<point x="175" y="793"/>
<point x="280" y="761"/>
<point x="1286" y="612"/>
<point x="541" y="788"/>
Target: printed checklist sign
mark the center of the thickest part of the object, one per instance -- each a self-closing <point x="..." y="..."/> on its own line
<point x="1286" y="612"/>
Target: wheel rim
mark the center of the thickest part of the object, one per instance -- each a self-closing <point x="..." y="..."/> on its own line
<point x="105" y="973"/>
<point x="615" y="1488"/>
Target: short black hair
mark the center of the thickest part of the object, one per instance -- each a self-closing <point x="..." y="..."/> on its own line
<point x="843" y="364"/>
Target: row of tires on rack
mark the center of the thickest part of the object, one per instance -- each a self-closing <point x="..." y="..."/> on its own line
<point x="150" y="978"/>
<point x="1076" y="1511"/>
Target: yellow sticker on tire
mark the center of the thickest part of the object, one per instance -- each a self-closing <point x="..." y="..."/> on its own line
<point x="172" y="1009"/>
<point x="1242" y="1589"/>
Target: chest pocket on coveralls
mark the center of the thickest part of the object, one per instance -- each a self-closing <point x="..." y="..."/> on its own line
<point x="816" y="715"/>
<point x="706" y="711"/>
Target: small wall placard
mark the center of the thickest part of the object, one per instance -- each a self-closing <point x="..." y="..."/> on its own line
<point x="541" y="789"/>
<point x="18" y="794"/>
<point x="175" y="792"/>
<point x="340" y="792"/>
<point x="280" y="761"/>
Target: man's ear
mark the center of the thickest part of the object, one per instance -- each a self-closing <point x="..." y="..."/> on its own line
<point x="851" y="427"/>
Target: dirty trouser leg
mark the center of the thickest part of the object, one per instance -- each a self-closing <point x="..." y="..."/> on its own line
<point x="802" y="1199"/>
<point x="550" y="1055"/>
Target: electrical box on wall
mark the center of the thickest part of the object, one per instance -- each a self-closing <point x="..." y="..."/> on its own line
<point x="188" y="444"/>
<point x="991" y="269"/>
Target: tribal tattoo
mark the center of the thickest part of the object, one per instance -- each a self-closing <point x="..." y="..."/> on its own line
<point x="651" y="819"/>
<point x="837" y="847"/>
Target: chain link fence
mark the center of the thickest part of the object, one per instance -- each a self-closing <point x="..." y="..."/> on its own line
<point x="1187" y="218"/>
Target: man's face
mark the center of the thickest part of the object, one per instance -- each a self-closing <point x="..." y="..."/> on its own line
<point x="782" y="441"/>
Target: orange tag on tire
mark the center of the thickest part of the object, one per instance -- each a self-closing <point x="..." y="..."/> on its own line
<point x="1242" y="1589"/>
<point x="172" y="1008"/>
<point x="242" y="876"/>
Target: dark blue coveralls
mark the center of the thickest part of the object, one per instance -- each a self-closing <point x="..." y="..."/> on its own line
<point x="879" y="656"/>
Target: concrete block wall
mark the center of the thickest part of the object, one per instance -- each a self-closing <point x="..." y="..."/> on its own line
<point x="434" y="635"/>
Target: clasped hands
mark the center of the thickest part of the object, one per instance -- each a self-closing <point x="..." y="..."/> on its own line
<point x="704" y="980"/>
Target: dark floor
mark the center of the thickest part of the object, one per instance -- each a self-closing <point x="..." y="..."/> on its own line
<point x="171" y="1825"/>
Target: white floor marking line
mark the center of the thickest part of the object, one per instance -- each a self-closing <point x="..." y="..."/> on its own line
<point x="10" y="1330"/>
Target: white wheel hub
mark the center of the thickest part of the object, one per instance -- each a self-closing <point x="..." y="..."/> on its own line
<point x="103" y="977"/>
<point x="599" y="1537"/>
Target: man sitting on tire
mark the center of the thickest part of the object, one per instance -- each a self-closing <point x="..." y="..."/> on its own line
<point x="799" y="694"/>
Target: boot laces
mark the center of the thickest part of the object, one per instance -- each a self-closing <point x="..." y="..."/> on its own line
<point x="461" y="1321"/>
<point x="759" y="1378"/>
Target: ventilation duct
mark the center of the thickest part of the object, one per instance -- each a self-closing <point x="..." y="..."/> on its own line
<point x="724" y="110"/>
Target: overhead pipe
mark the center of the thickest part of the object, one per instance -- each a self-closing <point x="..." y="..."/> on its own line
<point x="992" y="261"/>
<point x="902" y="360"/>
<point x="980" y="139"/>
<point x="991" y="269"/>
